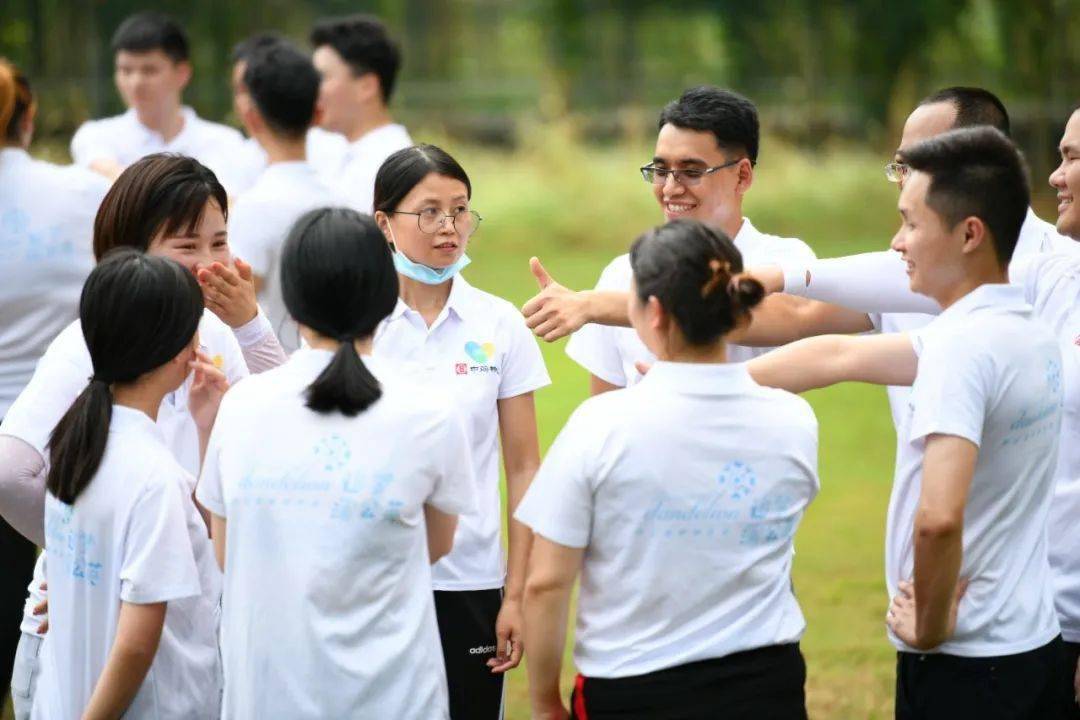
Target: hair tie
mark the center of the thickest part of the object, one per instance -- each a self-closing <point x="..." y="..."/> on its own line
<point x="95" y="379"/>
<point x="719" y="270"/>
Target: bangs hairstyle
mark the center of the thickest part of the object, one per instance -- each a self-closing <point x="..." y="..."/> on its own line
<point x="137" y="313"/>
<point x="16" y="100"/>
<point x="690" y="269"/>
<point x="975" y="172"/>
<point x="161" y="194"/>
<point x="337" y="278"/>
<point x="149" y="31"/>
<point x="730" y="117"/>
<point x="406" y="168"/>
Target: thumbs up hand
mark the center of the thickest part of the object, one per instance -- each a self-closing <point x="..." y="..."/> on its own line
<point x="556" y="311"/>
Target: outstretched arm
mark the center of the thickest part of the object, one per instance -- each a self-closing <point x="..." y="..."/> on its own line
<point x="870" y="282"/>
<point x="819" y="362"/>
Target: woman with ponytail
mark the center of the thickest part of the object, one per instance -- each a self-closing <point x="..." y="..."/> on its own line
<point x="333" y="482"/>
<point x="121" y="526"/>
<point x="163" y="205"/>
<point x="46" y="220"/>
<point x="676" y="500"/>
<point x="475" y="347"/>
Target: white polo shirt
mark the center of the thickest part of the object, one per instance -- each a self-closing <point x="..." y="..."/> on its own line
<point x="478" y="351"/>
<point x="46" y="251"/>
<point x="324" y="151"/>
<point x="260" y="221"/>
<point x="124" y="139"/>
<point x="1051" y="284"/>
<point x="990" y="373"/>
<point x="327" y="609"/>
<point x="610" y="353"/>
<point x="133" y="535"/>
<point x="685" y="490"/>
<point x="353" y="174"/>
<point x="61" y="376"/>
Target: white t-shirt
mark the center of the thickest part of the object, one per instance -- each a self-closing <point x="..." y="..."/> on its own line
<point x="610" y="353"/>
<point x="133" y="535"/>
<point x="1051" y="285"/>
<point x="685" y="491"/>
<point x="63" y="373"/>
<point x="261" y="220"/>
<point x="125" y="139"/>
<point x="353" y="174"/>
<point x="46" y="251"/>
<point x="989" y="373"/>
<point x="327" y="608"/>
<point x="478" y="351"/>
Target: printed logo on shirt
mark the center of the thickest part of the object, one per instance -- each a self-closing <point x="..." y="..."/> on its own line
<point x="1077" y="341"/>
<point x="481" y="355"/>
<point x="1040" y="419"/>
<point x="483" y="650"/>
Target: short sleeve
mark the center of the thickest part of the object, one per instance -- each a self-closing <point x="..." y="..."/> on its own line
<point x="952" y="387"/>
<point x="454" y="491"/>
<point x="250" y="237"/>
<point x="87" y="145"/>
<point x="158" y="562"/>
<point x="219" y="339"/>
<point x="523" y="367"/>
<point x="593" y="347"/>
<point x="559" y="503"/>
<point x="209" y="491"/>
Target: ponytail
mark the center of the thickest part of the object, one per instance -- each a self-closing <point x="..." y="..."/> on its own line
<point x="16" y="100"/>
<point x="77" y="444"/>
<point x="345" y="385"/>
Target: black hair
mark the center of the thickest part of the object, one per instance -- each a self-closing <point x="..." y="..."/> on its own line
<point x="147" y="31"/>
<point x="161" y="305"/>
<point x="242" y="50"/>
<point x="976" y="172"/>
<point x="974" y="106"/>
<point x="159" y="193"/>
<point x="363" y="42"/>
<point x="406" y="168"/>
<point x="690" y="269"/>
<point x="337" y="278"/>
<point x="284" y="86"/>
<point x="729" y="116"/>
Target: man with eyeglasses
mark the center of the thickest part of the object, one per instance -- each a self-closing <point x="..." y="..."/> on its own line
<point x="703" y="165"/>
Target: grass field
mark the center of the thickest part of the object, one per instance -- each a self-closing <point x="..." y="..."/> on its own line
<point x="576" y="209"/>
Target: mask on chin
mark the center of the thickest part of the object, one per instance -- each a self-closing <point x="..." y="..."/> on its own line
<point x="423" y="273"/>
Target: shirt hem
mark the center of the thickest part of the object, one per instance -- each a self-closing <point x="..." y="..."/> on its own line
<point x="466" y="586"/>
<point x="978" y="651"/>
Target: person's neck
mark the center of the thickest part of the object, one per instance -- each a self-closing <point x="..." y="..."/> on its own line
<point x="144" y="396"/>
<point x="956" y="291"/>
<point x="280" y="150"/>
<point x="368" y="120"/>
<point x="363" y="345"/>
<point x="698" y="354"/>
<point x="168" y="123"/>
<point x="428" y="300"/>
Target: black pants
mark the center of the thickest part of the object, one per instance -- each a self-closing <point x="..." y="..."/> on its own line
<point x="1025" y="686"/>
<point x="1072" y="656"/>
<point x="753" y="685"/>
<point x="467" y="630"/>
<point x="17" y="559"/>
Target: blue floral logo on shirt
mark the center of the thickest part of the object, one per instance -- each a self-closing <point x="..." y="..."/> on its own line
<point x="737" y="480"/>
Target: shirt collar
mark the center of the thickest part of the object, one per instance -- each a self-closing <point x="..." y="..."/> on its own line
<point x="190" y="119"/>
<point x="290" y="168"/>
<point x="699" y="378"/>
<point x="990" y="295"/>
<point x="746" y="236"/>
<point x="459" y="301"/>
<point x="373" y="137"/>
<point x="126" y="419"/>
<point x="1032" y="239"/>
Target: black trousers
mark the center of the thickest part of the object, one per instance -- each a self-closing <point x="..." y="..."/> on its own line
<point x="753" y="685"/>
<point x="1072" y="657"/>
<point x="17" y="559"/>
<point x="1026" y="686"/>
<point x="467" y="630"/>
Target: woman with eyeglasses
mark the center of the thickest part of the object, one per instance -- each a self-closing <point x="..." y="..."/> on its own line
<point x="475" y="348"/>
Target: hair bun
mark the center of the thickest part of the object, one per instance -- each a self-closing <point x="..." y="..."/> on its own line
<point x="746" y="291"/>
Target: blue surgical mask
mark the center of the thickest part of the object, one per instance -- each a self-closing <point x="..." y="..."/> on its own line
<point x="423" y="273"/>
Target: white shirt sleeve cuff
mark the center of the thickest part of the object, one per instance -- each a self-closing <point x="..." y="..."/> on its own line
<point x="254" y="330"/>
<point x="795" y="278"/>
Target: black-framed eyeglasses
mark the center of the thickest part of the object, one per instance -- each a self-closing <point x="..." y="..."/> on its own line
<point x="430" y="220"/>
<point x="897" y="172"/>
<point x="690" y="176"/>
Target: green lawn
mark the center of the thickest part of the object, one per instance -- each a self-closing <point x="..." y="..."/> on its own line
<point x="576" y="210"/>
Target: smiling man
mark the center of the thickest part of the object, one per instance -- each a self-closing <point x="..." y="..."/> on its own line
<point x="152" y="69"/>
<point x="703" y="165"/>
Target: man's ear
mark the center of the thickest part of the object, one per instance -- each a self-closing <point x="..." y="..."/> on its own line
<point x="745" y="170"/>
<point x="183" y="70"/>
<point x="975" y="234"/>
<point x="369" y="87"/>
<point x="655" y="314"/>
